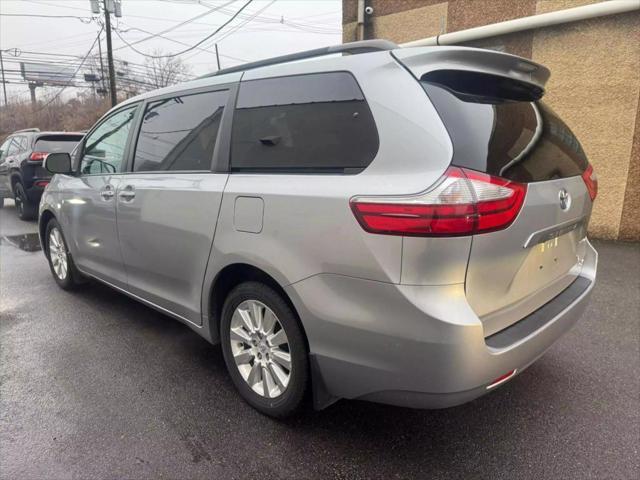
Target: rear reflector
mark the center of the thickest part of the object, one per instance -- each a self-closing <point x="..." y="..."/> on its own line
<point x="502" y="378"/>
<point x="41" y="183"/>
<point x="464" y="202"/>
<point x="38" y="156"/>
<point x="591" y="181"/>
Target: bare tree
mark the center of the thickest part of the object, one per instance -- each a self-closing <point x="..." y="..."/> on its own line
<point x="162" y="72"/>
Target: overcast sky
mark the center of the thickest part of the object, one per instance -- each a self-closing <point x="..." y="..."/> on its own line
<point x="265" y="28"/>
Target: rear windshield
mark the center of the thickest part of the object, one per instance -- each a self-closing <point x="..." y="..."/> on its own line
<point x="510" y="137"/>
<point x="57" y="143"/>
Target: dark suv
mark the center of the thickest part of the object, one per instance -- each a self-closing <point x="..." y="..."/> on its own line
<point x="21" y="173"/>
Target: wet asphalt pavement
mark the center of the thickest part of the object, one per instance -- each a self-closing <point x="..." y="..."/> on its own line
<point x="95" y="385"/>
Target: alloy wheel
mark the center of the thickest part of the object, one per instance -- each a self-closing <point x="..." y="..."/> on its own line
<point x="19" y="201"/>
<point x="260" y="348"/>
<point x="58" y="254"/>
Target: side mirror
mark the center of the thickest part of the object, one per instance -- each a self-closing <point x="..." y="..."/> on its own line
<point x="58" y="163"/>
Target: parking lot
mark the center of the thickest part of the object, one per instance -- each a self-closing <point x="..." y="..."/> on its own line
<point x="95" y="385"/>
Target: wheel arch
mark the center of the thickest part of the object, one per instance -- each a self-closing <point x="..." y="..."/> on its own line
<point x="233" y="275"/>
<point x="43" y="221"/>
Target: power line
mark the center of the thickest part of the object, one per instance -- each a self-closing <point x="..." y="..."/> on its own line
<point x="82" y="19"/>
<point x="74" y="74"/>
<point x="233" y="17"/>
<point x="262" y="19"/>
<point x="178" y="42"/>
<point x="156" y="35"/>
<point x="74" y="62"/>
<point x="58" y="40"/>
<point x="185" y="22"/>
<point x="247" y="20"/>
<point x="240" y="25"/>
<point x="34" y="53"/>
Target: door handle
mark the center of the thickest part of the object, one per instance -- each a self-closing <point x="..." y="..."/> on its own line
<point x="107" y="193"/>
<point x="127" y="193"/>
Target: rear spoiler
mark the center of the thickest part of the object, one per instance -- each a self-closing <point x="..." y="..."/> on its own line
<point x="422" y="60"/>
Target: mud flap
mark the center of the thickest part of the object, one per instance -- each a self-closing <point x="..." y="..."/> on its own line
<point x="321" y="397"/>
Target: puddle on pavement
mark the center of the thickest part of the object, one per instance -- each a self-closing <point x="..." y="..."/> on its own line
<point x="29" y="242"/>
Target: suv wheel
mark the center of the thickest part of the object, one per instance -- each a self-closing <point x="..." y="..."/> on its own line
<point x="61" y="263"/>
<point x="26" y="209"/>
<point x="264" y="349"/>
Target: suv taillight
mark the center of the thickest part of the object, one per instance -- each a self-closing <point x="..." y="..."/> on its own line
<point x="591" y="181"/>
<point x="38" y="156"/>
<point x="464" y="202"/>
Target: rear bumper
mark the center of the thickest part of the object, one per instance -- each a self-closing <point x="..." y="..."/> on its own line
<point x="34" y="192"/>
<point x="32" y="176"/>
<point x="418" y="346"/>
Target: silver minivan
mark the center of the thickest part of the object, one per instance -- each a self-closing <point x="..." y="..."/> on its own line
<point x="400" y="225"/>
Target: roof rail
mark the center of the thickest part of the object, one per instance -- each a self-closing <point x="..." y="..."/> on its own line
<point x="352" y="48"/>
<point x="25" y="130"/>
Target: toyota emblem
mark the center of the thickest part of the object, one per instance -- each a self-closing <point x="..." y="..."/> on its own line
<point x="565" y="199"/>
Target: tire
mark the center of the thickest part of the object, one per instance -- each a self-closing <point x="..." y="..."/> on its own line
<point x="67" y="278"/>
<point x="25" y="208"/>
<point x="268" y="353"/>
<point x="1" y="202"/>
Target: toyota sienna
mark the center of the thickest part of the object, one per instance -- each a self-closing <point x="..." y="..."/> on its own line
<point x="399" y="225"/>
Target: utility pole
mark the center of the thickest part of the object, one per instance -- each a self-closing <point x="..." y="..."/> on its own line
<point x="112" y="73"/>
<point x="101" y="62"/>
<point x="4" y="85"/>
<point x="217" y="57"/>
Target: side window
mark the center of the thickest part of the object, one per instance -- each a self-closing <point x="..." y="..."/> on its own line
<point x="4" y="148"/>
<point x="24" y="144"/>
<point x="305" y="123"/>
<point x="179" y="133"/>
<point x="14" y="147"/>
<point x="104" y="147"/>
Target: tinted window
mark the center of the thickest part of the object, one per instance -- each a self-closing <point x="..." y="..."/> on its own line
<point x="57" y="143"/>
<point x="4" y="148"/>
<point x="180" y="133"/>
<point x="14" y="146"/>
<point x="316" y="123"/>
<point x="104" y="147"/>
<point x="23" y="143"/>
<point x="523" y="141"/>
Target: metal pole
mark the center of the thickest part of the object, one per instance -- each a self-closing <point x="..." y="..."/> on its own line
<point x="101" y="63"/>
<point x="360" y="21"/>
<point x="217" y="57"/>
<point x="112" y="74"/>
<point x="4" y="85"/>
<point x="32" y="90"/>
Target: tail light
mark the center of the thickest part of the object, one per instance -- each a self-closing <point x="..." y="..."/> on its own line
<point x="591" y="181"/>
<point x="41" y="183"/>
<point x="464" y="202"/>
<point x="38" y="156"/>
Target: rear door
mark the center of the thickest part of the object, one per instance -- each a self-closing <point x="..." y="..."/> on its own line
<point x="168" y="203"/>
<point x="513" y="272"/>
<point x="499" y="126"/>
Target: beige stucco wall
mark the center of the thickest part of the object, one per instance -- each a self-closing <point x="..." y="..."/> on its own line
<point x="410" y="24"/>
<point x="594" y="86"/>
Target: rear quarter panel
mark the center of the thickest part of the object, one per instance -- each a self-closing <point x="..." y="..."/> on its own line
<point x="308" y="227"/>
